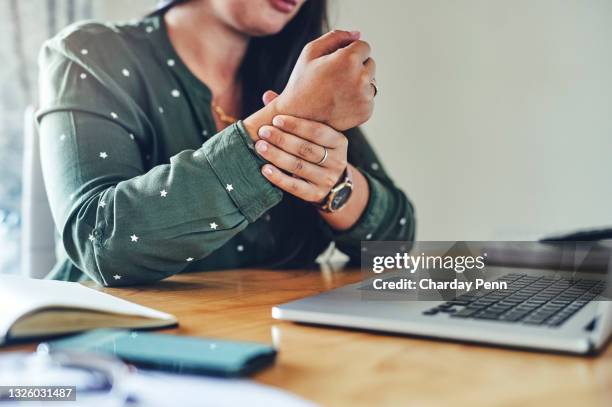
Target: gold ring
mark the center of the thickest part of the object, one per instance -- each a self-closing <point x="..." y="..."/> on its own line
<point x="325" y="154"/>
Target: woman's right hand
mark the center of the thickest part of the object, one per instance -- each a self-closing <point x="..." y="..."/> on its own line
<point x="332" y="82"/>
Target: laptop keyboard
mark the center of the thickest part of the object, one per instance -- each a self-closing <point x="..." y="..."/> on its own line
<point x="529" y="300"/>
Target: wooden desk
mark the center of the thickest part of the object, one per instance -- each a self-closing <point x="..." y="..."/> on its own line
<point x="342" y="367"/>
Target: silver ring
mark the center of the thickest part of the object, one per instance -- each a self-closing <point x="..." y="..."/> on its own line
<point x="325" y="154"/>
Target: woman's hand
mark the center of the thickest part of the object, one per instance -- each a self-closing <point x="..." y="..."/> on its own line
<point x="332" y="82"/>
<point x="296" y="146"/>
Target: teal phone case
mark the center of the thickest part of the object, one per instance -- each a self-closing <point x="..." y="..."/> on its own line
<point x="178" y="354"/>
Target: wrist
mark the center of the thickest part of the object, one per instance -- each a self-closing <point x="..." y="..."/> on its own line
<point x="260" y="118"/>
<point x="355" y="206"/>
<point x="284" y="106"/>
<point x="339" y="195"/>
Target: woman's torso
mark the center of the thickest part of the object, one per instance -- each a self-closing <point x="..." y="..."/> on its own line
<point x="169" y="111"/>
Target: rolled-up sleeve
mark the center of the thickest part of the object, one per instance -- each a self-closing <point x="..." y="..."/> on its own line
<point x="121" y="220"/>
<point x="122" y="225"/>
<point x="234" y="161"/>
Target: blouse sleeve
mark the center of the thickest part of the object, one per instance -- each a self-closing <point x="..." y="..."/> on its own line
<point x="122" y="224"/>
<point x="389" y="215"/>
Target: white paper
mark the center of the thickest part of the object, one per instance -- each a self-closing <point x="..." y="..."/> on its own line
<point x="153" y="389"/>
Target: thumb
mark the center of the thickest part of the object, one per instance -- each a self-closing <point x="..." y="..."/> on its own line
<point x="269" y="96"/>
<point x="332" y="41"/>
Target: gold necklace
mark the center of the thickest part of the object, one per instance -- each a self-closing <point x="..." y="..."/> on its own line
<point x="223" y="117"/>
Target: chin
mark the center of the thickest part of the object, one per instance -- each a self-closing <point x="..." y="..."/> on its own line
<point x="257" y="18"/>
<point x="264" y="30"/>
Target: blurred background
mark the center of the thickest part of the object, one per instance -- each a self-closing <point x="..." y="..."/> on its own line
<point x="494" y="116"/>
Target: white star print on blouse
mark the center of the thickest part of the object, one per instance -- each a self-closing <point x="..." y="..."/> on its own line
<point x="368" y="236"/>
<point x="170" y="62"/>
<point x="114" y="115"/>
<point x="125" y="72"/>
<point x="102" y="204"/>
<point x="240" y="248"/>
<point x="175" y="93"/>
<point x="117" y="277"/>
<point x="214" y="226"/>
<point x="83" y="76"/>
<point x="131" y="136"/>
<point x="229" y="187"/>
<point x="163" y="193"/>
<point x="161" y="110"/>
<point x="374" y="166"/>
<point x="84" y="51"/>
<point x="134" y="238"/>
<point x="149" y="29"/>
<point x="402" y="221"/>
<point x="189" y="259"/>
<point x="91" y="238"/>
<point x="205" y="132"/>
<point x="103" y="155"/>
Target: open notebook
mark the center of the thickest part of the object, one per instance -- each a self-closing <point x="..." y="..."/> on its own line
<point x="41" y="308"/>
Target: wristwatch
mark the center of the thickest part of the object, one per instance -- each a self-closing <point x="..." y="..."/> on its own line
<point x="339" y="195"/>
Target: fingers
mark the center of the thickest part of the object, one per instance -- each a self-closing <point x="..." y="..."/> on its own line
<point x="370" y="68"/>
<point x="269" y="96"/>
<point x="370" y="77"/>
<point x="330" y="42"/>
<point x="292" y="144"/>
<point x="360" y="48"/>
<point x="290" y="163"/>
<point x="295" y="186"/>
<point x="297" y="146"/>
<point x="312" y="131"/>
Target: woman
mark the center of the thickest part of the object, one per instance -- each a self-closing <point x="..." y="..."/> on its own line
<point x="149" y="173"/>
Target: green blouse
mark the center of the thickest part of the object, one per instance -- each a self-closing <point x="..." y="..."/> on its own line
<point x="142" y="185"/>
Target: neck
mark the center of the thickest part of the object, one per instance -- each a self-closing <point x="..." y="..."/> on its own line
<point x="212" y="50"/>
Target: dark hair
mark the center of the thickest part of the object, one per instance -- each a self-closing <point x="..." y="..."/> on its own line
<point x="269" y="60"/>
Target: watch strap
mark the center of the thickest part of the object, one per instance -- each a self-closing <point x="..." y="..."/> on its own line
<point x="345" y="179"/>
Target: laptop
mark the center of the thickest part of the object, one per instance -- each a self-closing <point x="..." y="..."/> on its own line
<point x="553" y="306"/>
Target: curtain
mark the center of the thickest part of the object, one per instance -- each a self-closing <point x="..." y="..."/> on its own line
<point x="24" y="25"/>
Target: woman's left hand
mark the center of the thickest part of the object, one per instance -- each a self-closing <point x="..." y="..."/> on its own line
<point x="298" y="146"/>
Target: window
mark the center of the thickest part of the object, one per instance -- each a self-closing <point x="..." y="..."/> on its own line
<point x="24" y="26"/>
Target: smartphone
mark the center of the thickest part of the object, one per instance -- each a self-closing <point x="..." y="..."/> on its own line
<point x="172" y="353"/>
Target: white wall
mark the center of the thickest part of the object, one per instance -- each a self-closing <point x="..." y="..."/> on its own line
<point x="495" y="116"/>
<point x="124" y="10"/>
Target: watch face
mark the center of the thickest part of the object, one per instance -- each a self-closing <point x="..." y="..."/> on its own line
<point x="340" y="198"/>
